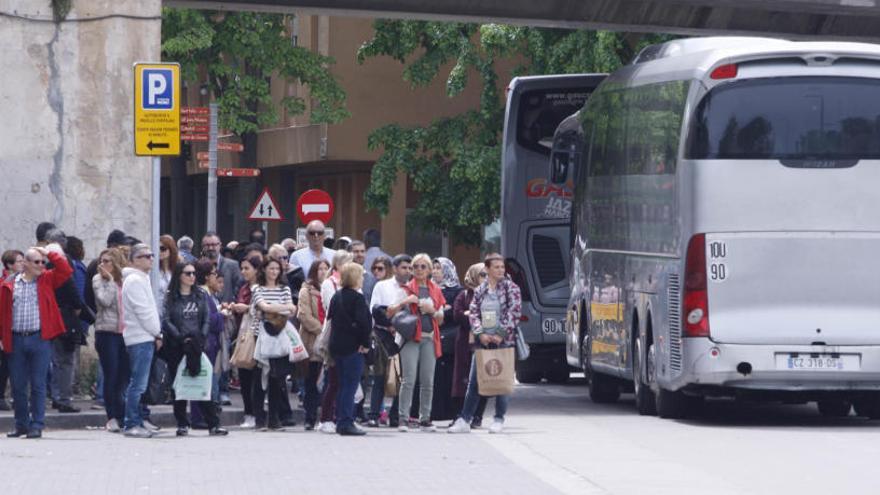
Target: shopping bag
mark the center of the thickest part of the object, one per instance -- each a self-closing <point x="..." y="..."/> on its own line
<point x="197" y="387"/>
<point x="495" y="371"/>
<point x="392" y="379"/>
<point x="245" y="344"/>
<point x="298" y="350"/>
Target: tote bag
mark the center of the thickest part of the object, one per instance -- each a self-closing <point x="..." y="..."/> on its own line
<point x="245" y="345"/>
<point x="495" y="371"/>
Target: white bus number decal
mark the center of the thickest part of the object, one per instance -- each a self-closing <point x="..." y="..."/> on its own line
<point x="717" y="261"/>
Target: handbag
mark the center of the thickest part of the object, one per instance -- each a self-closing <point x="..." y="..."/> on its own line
<point x="404" y="323"/>
<point x="245" y="345"/>
<point x="522" y="347"/>
<point x="392" y="380"/>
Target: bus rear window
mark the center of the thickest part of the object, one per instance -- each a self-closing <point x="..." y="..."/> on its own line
<point x="541" y="111"/>
<point x="826" y="122"/>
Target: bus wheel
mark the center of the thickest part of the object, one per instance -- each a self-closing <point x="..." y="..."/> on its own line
<point x="604" y="389"/>
<point x="834" y="408"/>
<point x="645" y="403"/>
<point x="868" y="407"/>
<point x="526" y="373"/>
<point x="675" y="405"/>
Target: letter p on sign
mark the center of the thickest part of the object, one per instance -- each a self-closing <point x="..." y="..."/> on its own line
<point x="157" y="91"/>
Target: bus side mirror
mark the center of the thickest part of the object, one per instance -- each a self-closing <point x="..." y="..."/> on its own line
<point x="559" y="165"/>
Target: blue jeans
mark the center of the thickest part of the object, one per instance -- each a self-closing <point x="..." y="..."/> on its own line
<point x="472" y="398"/>
<point x="29" y="365"/>
<point x="349" y="370"/>
<point x="113" y="360"/>
<point x="140" y="356"/>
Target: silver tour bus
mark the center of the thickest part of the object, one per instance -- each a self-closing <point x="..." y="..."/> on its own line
<point x="726" y="226"/>
<point x="533" y="230"/>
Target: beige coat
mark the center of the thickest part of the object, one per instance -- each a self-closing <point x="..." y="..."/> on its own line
<point x="310" y="325"/>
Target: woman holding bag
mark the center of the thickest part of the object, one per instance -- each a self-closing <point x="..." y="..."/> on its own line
<point x="249" y="269"/>
<point x="494" y="314"/>
<point x="311" y="317"/>
<point x="185" y="324"/>
<point x="419" y="355"/>
<point x="464" y="343"/>
<point x="109" y="324"/>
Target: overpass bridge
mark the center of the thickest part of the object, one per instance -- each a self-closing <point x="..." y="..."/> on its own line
<point x="794" y="19"/>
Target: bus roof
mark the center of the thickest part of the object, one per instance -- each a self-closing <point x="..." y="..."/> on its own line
<point x="694" y="58"/>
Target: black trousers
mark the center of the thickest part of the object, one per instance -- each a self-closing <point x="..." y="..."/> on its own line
<point x="276" y="389"/>
<point x="246" y="381"/>
<point x="4" y="374"/>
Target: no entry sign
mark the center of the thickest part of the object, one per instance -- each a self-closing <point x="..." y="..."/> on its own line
<point x="314" y="204"/>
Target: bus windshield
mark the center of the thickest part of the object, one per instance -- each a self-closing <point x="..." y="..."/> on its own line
<point x="802" y="121"/>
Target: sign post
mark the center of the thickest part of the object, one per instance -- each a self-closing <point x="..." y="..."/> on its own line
<point x="265" y="210"/>
<point x="156" y="133"/>
<point x="212" y="169"/>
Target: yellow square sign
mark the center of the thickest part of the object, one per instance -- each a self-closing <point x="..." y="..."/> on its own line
<point x="156" y="109"/>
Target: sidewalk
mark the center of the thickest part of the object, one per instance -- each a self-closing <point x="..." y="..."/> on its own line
<point x="162" y="415"/>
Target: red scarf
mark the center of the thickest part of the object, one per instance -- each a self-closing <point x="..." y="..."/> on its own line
<point x="436" y="296"/>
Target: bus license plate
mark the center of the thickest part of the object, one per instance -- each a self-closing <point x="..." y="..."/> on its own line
<point x="822" y="362"/>
<point x="552" y="326"/>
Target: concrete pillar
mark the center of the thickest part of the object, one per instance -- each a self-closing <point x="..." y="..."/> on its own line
<point x="66" y="134"/>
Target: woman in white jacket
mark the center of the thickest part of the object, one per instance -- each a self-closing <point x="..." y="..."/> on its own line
<point x="107" y="284"/>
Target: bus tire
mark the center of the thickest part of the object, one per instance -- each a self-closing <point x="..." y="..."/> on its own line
<point x="834" y="408"/>
<point x="645" y="403"/>
<point x="604" y="389"/>
<point x="674" y="405"/>
<point x="868" y="407"/>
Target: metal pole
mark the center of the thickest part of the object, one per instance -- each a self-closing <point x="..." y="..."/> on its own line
<point x="154" y="228"/>
<point x="212" y="170"/>
<point x="266" y="235"/>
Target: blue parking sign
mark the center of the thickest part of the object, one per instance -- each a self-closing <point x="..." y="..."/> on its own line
<point x="158" y="89"/>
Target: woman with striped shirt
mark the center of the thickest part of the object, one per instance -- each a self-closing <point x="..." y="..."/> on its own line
<point x="270" y="295"/>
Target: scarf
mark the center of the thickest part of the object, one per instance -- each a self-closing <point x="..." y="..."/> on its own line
<point x="439" y="301"/>
<point x="450" y="274"/>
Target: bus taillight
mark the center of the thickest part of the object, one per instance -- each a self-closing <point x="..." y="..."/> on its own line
<point x="518" y="275"/>
<point x="696" y="295"/>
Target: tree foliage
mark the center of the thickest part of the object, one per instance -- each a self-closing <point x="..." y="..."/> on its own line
<point x="239" y="52"/>
<point x="454" y="162"/>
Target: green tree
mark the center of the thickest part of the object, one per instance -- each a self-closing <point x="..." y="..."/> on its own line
<point x="454" y="162"/>
<point x="240" y="51"/>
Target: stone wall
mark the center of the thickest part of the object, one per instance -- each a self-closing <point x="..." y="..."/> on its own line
<point x="66" y="138"/>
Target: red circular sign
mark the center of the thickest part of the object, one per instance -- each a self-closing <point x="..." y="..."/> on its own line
<point x="314" y="204"/>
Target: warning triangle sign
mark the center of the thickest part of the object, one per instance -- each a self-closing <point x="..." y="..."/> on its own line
<point x="265" y="209"/>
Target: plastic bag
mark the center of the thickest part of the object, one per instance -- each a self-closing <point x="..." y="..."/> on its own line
<point x="197" y="387"/>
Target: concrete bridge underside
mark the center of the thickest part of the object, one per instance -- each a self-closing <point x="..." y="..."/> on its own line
<point x="795" y="19"/>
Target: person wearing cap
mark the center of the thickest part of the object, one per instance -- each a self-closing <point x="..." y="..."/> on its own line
<point x="29" y="320"/>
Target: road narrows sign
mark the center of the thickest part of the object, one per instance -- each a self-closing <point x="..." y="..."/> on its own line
<point x="156" y="109"/>
<point x="265" y="209"/>
<point x="314" y="204"/>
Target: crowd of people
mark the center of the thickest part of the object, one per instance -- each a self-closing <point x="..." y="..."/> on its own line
<point x="390" y="341"/>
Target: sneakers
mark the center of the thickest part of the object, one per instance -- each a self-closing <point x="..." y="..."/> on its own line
<point x="218" y="432"/>
<point x="138" y="432"/>
<point x="309" y="426"/>
<point x="352" y="431"/>
<point x="383" y="418"/>
<point x="327" y="427"/>
<point x="112" y="426"/>
<point x="476" y="423"/>
<point x="427" y="427"/>
<point x="372" y="423"/>
<point x="225" y="400"/>
<point x="460" y="426"/>
<point x="249" y="422"/>
<point x="182" y="431"/>
<point x="403" y="428"/>
<point x="496" y="426"/>
<point x="150" y="426"/>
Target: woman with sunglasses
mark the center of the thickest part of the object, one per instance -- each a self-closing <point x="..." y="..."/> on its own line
<point x="107" y="285"/>
<point x="419" y="355"/>
<point x="186" y="324"/>
<point x="464" y="352"/>
<point x="381" y="268"/>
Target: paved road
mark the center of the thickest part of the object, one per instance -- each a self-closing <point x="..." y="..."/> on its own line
<point x="557" y="441"/>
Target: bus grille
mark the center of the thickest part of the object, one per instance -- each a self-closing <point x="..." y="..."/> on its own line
<point x="548" y="260"/>
<point x="674" y="311"/>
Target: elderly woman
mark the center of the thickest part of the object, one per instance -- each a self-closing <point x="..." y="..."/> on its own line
<point x="349" y="341"/>
<point x="418" y="356"/>
<point x="464" y="344"/>
<point x="331" y="284"/>
<point x="494" y="314"/>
